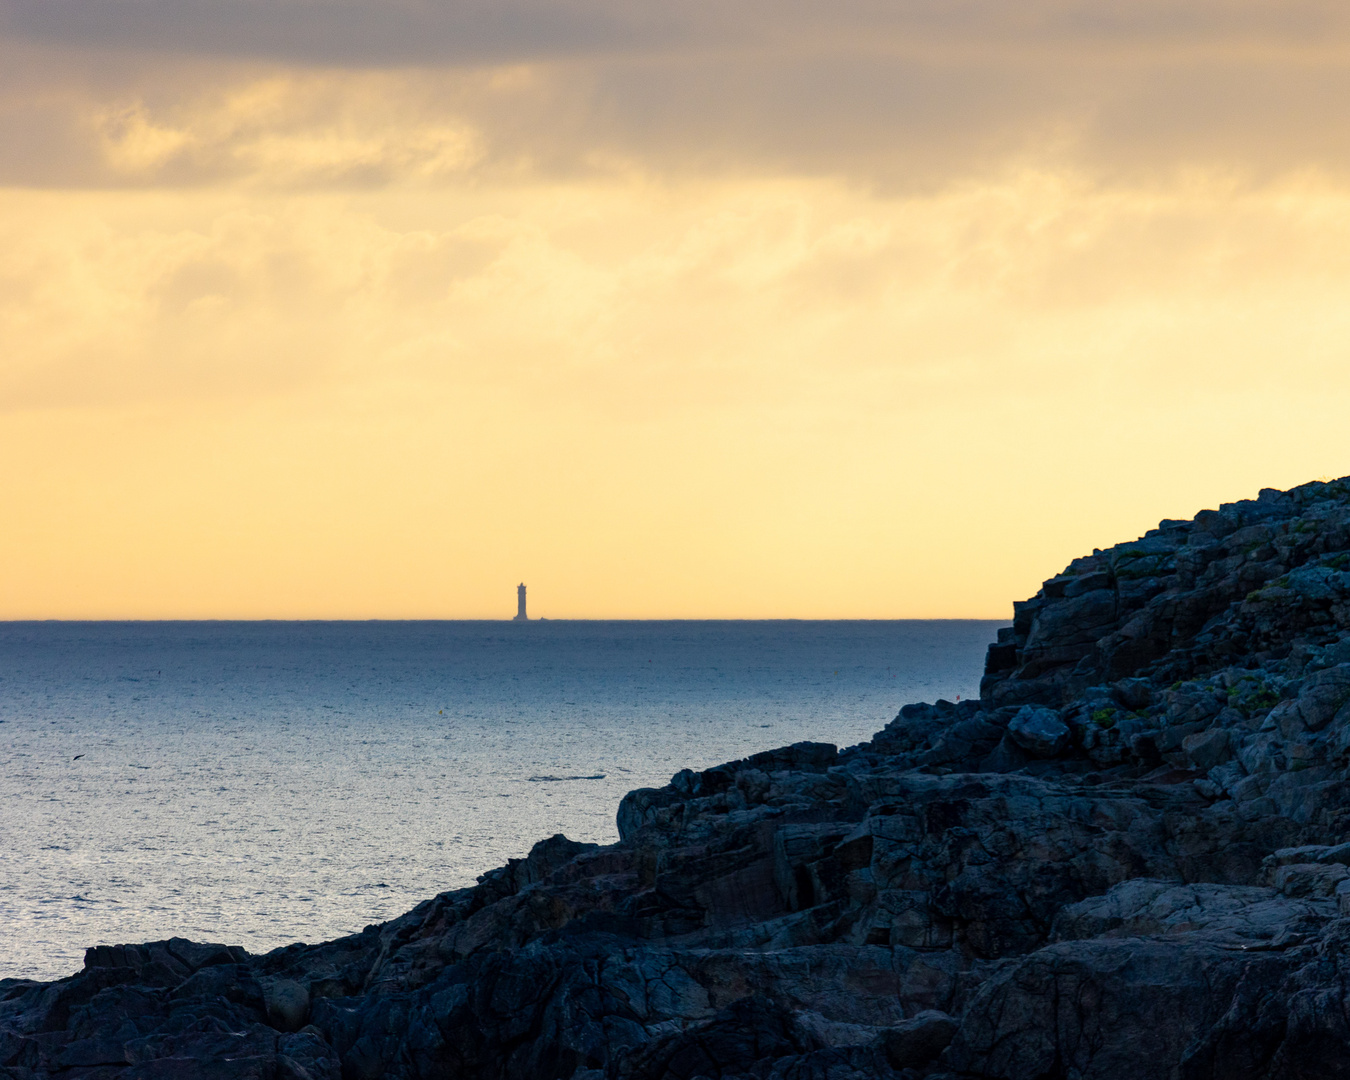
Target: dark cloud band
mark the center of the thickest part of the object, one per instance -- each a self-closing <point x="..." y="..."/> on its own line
<point x="900" y="95"/>
<point x="362" y="32"/>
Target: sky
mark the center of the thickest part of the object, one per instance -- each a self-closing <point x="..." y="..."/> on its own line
<point x="375" y="308"/>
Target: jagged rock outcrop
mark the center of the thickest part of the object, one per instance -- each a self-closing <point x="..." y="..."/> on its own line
<point x="1129" y="859"/>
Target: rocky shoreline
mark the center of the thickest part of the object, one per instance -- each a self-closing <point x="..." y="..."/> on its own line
<point x="1127" y="860"/>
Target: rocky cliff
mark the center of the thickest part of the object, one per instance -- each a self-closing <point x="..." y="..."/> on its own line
<point x="1128" y="859"/>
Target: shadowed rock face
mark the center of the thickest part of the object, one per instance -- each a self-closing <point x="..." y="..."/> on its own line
<point x="1127" y="860"/>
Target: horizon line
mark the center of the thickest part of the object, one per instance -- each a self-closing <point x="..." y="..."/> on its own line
<point x="499" y="619"/>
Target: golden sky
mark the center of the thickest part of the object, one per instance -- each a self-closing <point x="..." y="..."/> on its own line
<point x="348" y="309"/>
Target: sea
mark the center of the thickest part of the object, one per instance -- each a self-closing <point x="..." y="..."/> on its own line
<point x="260" y="783"/>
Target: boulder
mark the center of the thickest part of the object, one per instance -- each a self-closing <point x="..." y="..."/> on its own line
<point x="1039" y="731"/>
<point x="1206" y="749"/>
<point x="287" y="1003"/>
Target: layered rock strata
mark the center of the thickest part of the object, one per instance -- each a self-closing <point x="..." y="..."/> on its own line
<point x="1129" y="859"/>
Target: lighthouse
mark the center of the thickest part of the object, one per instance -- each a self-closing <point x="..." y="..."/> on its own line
<point x="520" y="604"/>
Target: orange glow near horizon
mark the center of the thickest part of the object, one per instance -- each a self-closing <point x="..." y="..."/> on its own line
<point x="293" y="340"/>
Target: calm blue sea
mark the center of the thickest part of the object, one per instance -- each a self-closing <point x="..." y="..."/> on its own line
<point x="262" y="783"/>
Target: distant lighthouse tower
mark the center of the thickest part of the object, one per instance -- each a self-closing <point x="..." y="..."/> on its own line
<point x="520" y="604"/>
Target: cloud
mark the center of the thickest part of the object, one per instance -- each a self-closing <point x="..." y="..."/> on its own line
<point x="365" y="32"/>
<point x="904" y="125"/>
<point x="635" y="298"/>
<point x="290" y="130"/>
<point x="906" y="96"/>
